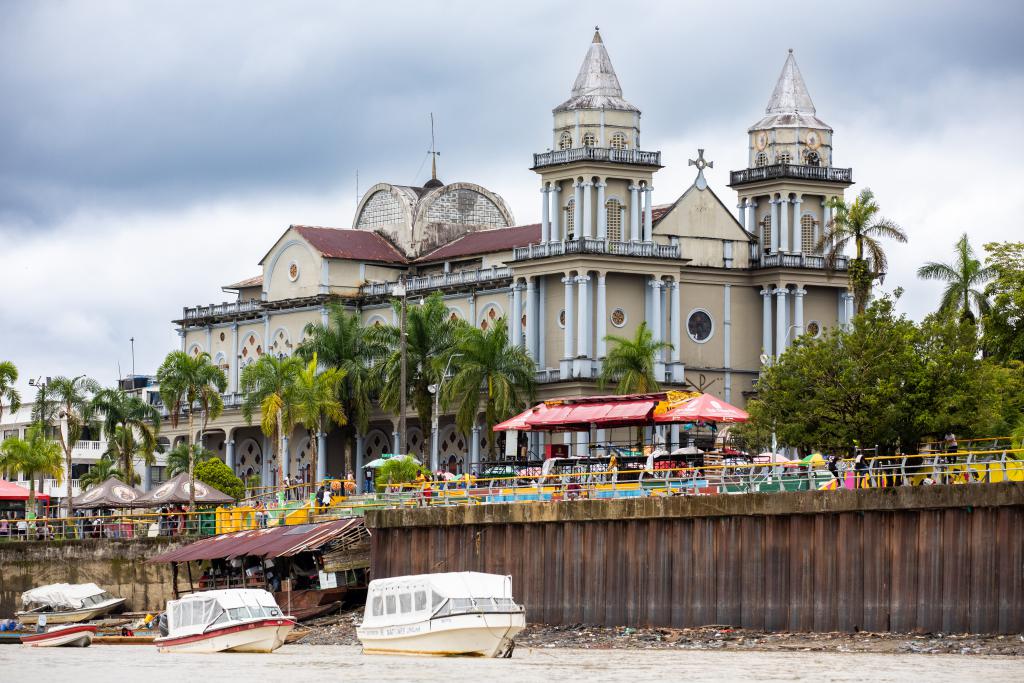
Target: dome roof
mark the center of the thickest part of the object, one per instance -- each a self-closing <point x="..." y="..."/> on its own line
<point x="432" y="183"/>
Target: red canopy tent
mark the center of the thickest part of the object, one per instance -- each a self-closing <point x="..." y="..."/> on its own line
<point x="11" y="491"/>
<point x="578" y="414"/>
<point x="704" y="408"/>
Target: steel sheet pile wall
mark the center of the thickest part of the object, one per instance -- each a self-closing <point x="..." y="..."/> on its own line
<point x="953" y="569"/>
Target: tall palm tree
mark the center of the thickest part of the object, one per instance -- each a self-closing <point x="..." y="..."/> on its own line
<point x="345" y="344"/>
<point x="104" y="469"/>
<point x="35" y="455"/>
<point x="8" y="376"/>
<point x="131" y="426"/>
<point x="860" y="223"/>
<point x="965" y="279"/>
<point x="316" y="402"/>
<point x="185" y="383"/>
<point x="490" y="373"/>
<point x="430" y="341"/>
<point x="179" y="457"/>
<point x="66" y="402"/>
<point x="267" y="385"/>
<point x="629" y="364"/>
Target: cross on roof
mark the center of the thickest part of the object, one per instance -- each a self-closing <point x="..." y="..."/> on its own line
<point x="701" y="164"/>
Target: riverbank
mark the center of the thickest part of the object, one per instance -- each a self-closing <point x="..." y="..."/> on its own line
<point x="340" y="630"/>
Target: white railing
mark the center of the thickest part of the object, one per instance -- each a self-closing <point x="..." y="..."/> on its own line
<point x="596" y="246"/>
<point x="89" y="448"/>
<point x="779" y="260"/>
<point x="226" y="308"/>
<point x="799" y="171"/>
<point x="620" y="156"/>
<point x="50" y="487"/>
<point x="439" y="281"/>
<point x="548" y="375"/>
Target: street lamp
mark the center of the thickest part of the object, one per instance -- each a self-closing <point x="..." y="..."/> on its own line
<point x="399" y="290"/>
<point x="435" y="389"/>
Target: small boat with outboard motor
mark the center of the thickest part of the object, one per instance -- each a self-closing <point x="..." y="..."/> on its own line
<point x="66" y="603"/>
<point x="67" y="635"/>
<point x="229" y="620"/>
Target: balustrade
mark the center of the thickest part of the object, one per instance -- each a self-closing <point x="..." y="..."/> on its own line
<point x="620" y="156"/>
<point x="797" y="171"/>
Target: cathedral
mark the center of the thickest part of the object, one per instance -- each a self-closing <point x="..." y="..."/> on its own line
<point x="727" y="289"/>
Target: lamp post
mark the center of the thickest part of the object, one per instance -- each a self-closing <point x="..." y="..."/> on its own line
<point x="400" y="291"/>
<point x="435" y="389"/>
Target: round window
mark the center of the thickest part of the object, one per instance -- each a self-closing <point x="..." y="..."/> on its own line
<point x="293" y="271"/>
<point x="699" y="326"/>
<point x="561" y="318"/>
<point x="814" y="329"/>
<point x="618" y="317"/>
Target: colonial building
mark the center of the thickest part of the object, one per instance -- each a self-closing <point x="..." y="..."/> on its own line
<point x="728" y="291"/>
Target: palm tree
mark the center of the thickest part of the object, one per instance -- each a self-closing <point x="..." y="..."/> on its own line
<point x="430" y="340"/>
<point x="186" y="381"/>
<point x="104" y="469"/>
<point x="181" y="456"/>
<point x="860" y="223"/>
<point x="35" y="455"/>
<point x="131" y="426"/>
<point x="965" y="279"/>
<point x="8" y="376"/>
<point x="317" y="407"/>
<point x="491" y="371"/>
<point x="345" y="344"/>
<point x="267" y="385"/>
<point x="630" y="363"/>
<point x="66" y="401"/>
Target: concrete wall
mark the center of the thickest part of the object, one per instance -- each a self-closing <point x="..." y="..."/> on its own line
<point x="119" y="566"/>
<point x="940" y="558"/>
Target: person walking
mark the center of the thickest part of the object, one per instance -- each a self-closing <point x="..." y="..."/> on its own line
<point x="833" y="466"/>
<point x="318" y="499"/>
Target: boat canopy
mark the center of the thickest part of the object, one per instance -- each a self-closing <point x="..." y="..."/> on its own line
<point x="409" y="599"/>
<point x="65" y="596"/>
<point x="194" y="613"/>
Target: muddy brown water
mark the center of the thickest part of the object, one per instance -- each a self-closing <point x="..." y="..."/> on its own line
<point x="320" y="663"/>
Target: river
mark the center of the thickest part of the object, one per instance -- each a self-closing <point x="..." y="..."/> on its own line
<point x="108" y="663"/>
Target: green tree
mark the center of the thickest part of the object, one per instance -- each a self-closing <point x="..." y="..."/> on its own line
<point x="131" y="425"/>
<point x="317" y="406"/>
<point x="350" y="347"/>
<point x="964" y="280"/>
<point x="179" y="457"/>
<point x="1003" y="323"/>
<point x="187" y="383"/>
<point x="219" y="476"/>
<point x="630" y="362"/>
<point x="65" y="402"/>
<point x="430" y="340"/>
<point x="268" y="385"/>
<point x="104" y="469"/>
<point x="8" y="392"/>
<point x="400" y="470"/>
<point x="490" y="374"/>
<point x="859" y="223"/>
<point x="35" y="455"/>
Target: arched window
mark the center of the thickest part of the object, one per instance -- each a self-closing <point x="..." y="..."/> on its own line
<point x="811" y="158"/>
<point x="807" y="233"/>
<point x="589" y="140"/>
<point x="570" y="215"/>
<point x="618" y="141"/>
<point x="766" y="233"/>
<point x="783" y="158"/>
<point x="761" y="159"/>
<point x="613" y="219"/>
<point x="565" y="141"/>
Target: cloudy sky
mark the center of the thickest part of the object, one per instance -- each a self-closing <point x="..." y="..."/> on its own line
<point x="151" y="152"/>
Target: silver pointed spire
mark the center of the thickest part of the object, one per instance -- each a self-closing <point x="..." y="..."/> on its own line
<point x="790" y="94"/>
<point x="597" y="85"/>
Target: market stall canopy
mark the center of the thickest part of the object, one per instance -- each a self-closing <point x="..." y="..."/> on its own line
<point x="280" y="541"/>
<point x="113" y="493"/>
<point x="703" y="408"/>
<point x="11" y="491"/>
<point x="175" y="492"/>
<point x="578" y="414"/>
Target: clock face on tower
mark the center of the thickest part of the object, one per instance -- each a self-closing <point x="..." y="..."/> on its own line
<point x="813" y="141"/>
<point x="761" y="140"/>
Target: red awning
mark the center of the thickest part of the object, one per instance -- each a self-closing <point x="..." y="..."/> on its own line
<point x="11" y="491"/>
<point x="704" y="408"/>
<point x="628" y="413"/>
<point x="518" y="422"/>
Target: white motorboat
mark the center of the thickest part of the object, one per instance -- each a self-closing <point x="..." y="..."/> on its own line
<point x="72" y="635"/>
<point x="457" y="613"/>
<point x="65" y="603"/>
<point x="230" y="620"/>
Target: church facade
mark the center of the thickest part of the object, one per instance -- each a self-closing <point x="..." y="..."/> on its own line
<point x="727" y="289"/>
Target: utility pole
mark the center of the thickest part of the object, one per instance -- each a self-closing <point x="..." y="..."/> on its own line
<point x="400" y="291"/>
<point x="132" y="340"/>
<point x="435" y="463"/>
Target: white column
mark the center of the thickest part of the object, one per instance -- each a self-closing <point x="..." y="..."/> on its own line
<point x="798" y="311"/>
<point x="588" y="210"/>
<point x="531" y="317"/>
<point x="675" y="313"/>
<point x="849" y="309"/>
<point x="648" y="222"/>
<point x="741" y="215"/>
<point x="582" y="327"/>
<point x="826" y="212"/>
<point x="798" y="237"/>
<point x="360" y="461"/>
<point x="321" y="456"/>
<point x="727" y="338"/>
<point x="234" y="358"/>
<point x="602" y="316"/>
<point x="542" y="318"/>
<point x="780" y="320"/>
<point x="545" y="207"/>
<point x="577" y="214"/>
<point x="474" y="447"/>
<point x="656" y="331"/>
<point x="775" y="225"/>
<point x="766" y="321"/>
<point x="325" y="317"/>
<point x="634" y="213"/>
<point x="471" y="300"/>
<point x="569" y="346"/>
<point x="752" y="218"/>
<point x="286" y="457"/>
<point x="516" y="318"/>
<point x="784" y="224"/>
<point x="602" y="213"/>
<point x="229" y="455"/>
<point x="513" y="295"/>
<point x="394" y="438"/>
<point x="556" y="213"/>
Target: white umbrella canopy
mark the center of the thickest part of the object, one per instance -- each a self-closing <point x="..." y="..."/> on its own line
<point x="379" y="462"/>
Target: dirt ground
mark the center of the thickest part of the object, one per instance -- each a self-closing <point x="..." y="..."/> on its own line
<point x="340" y="630"/>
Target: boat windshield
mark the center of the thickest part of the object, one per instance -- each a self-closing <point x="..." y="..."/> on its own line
<point x="475" y="605"/>
<point x="190" y="613"/>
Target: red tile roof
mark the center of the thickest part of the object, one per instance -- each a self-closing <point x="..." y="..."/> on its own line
<point x="358" y="245"/>
<point x="485" y="242"/>
<point x="659" y="212"/>
<point x="254" y="281"/>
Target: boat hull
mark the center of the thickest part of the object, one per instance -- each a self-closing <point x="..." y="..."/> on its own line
<point x="264" y="635"/>
<point x="71" y="616"/>
<point x="67" y="636"/>
<point x="471" y="635"/>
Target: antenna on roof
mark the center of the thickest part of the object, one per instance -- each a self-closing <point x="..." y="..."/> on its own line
<point x="433" y="150"/>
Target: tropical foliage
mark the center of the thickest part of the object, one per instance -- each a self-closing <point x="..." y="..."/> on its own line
<point x="131" y="426"/>
<point x="179" y="457"/>
<point x="965" y="279"/>
<point x="630" y="362"/>
<point x="490" y="375"/>
<point x="267" y="385"/>
<point x="104" y="469"/>
<point x="858" y="222"/>
<point x="65" y="402"/>
<point x="1003" y="322"/>
<point x="400" y="470"/>
<point x="219" y="476"/>
<point x="34" y="456"/>
<point x="314" y="397"/>
<point x="8" y="392"/>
